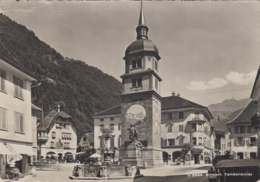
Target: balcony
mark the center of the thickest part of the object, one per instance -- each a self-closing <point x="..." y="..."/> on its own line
<point x="43" y="139"/>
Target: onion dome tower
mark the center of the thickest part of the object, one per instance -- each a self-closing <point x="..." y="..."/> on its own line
<point x="141" y="100"/>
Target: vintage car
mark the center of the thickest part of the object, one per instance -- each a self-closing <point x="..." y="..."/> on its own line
<point x="242" y="170"/>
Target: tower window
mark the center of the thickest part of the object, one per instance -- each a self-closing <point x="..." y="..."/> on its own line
<point x="137" y="82"/>
<point x="156" y="84"/>
<point x="156" y="65"/>
<point x="136" y="64"/>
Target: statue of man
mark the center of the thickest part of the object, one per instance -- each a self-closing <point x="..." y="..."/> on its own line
<point x="132" y="133"/>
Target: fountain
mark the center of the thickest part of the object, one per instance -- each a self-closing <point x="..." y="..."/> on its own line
<point x="128" y="169"/>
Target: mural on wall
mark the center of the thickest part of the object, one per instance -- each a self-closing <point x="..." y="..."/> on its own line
<point x="136" y="115"/>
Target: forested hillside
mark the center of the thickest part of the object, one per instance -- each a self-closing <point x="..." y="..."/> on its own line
<point x="80" y="89"/>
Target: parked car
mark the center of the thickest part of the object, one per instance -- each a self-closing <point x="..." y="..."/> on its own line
<point x="242" y="170"/>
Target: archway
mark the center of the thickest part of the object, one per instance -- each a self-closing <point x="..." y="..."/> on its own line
<point x="68" y="157"/>
<point x="176" y="156"/>
<point x="165" y="157"/>
<point x="60" y="156"/>
<point x="51" y="155"/>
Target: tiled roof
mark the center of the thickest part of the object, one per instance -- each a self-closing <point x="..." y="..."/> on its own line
<point x="246" y="114"/>
<point x="172" y="102"/>
<point x="90" y="137"/>
<point x="176" y="102"/>
<point x="51" y="116"/>
<point x="257" y="76"/>
<point x="222" y="125"/>
<point x="111" y="111"/>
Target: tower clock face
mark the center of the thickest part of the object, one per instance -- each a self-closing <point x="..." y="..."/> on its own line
<point x="135" y="113"/>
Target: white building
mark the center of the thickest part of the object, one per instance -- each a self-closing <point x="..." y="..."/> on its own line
<point x="16" y="121"/>
<point x="61" y="135"/>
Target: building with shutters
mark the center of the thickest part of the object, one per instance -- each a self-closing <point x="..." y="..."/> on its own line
<point x="17" y="126"/>
<point x="244" y="137"/>
<point x="61" y="134"/>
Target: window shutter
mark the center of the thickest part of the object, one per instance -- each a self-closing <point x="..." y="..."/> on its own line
<point x="235" y="141"/>
<point x="247" y="142"/>
<point x="21" y="123"/>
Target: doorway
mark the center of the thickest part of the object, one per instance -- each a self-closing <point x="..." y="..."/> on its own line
<point x="196" y="158"/>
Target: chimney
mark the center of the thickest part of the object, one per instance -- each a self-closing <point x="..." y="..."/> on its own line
<point x="173" y="93"/>
<point x="58" y="108"/>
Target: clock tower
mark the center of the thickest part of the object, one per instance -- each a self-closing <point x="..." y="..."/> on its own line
<point x="141" y="100"/>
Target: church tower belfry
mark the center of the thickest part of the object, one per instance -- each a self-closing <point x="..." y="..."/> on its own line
<point x="140" y="99"/>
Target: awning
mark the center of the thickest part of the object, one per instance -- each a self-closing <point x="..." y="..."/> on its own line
<point x="23" y="149"/>
<point x="198" y="121"/>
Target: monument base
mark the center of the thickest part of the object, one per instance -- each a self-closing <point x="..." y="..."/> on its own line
<point x="145" y="157"/>
<point x="131" y="155"/>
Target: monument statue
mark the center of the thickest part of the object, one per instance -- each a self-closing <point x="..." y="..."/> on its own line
<point x="133" y="136"/>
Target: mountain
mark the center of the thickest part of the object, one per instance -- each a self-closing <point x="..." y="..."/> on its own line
<point x="226" y="111"/>
<point x="81" y="90"/>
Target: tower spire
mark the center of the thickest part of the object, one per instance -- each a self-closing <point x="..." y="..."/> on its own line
<point x="142" y="29"/>
<point x="141" y="18"/>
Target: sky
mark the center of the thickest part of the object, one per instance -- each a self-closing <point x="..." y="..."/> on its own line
<point x="209" y="49"/>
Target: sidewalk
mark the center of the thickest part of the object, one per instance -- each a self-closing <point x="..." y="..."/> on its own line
<point x="168" y="170"/>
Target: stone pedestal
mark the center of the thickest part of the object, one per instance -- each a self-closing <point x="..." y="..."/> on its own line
<point x="152" y="157"/>
<point x="131" y="155"/>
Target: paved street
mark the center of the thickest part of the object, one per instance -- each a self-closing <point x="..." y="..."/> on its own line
<point x="195" y="173"/>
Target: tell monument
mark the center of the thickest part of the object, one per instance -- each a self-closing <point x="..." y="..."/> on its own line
<point x="141" y="101"/>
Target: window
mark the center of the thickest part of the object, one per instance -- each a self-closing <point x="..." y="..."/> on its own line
<point x="3" y="124"/>
<point x="193" y="127"/>
<point x="171" y="142"/>
<point x="52" y="145"/>
<point x="169" y="115"/>
<point x="137" y="82"/>
<point x="112" y="127"/>
<point x="101" y="127"/>
<point x="180" y="141"/>
<point x="133" y="64"/>
<point x="156" y="84"/>
<point x="181" y="115"/>
<point x="194" y="141"/>
<point x="240" y="129"/>
<point x="180" y="128"/>
<point x="119" y="126"/>
<point x="18" y="89"/>
<point x="112" y="142"/>
<point x="66" y="136"/>
<point x="240" y="141"/>
<point x="18" y="122"/>
<point x="112" y="119"/>
<point x="137" y="64"/>
<point x="84" y="139"/>
<point x="53" y="134"/>
<point x="200" y="141"/>
<point x="101" y="141"/>
<point x="2" y="80"/>
<point x="252" y="141"/>
<point x="66" y="145"/>
<point x="170" y="128"/>
<point x="119" y="141"/>
<point x="101" y="119"/>
<point x="156" y="65"/>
